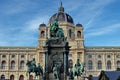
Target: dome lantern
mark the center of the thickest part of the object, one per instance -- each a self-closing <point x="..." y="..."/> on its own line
<point x="42" y="25"/>
<point x="79" y="25"/>
<point x="61" y="8"/>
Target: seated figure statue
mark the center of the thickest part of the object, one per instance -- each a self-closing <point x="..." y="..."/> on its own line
<point x="53" y="28"/>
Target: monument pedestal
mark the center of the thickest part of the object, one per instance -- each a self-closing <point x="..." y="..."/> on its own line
<point x="56" y="56"/>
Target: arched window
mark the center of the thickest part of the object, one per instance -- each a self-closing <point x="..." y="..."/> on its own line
<point x="21" y="77"/>
<point x="13" y="56"/>
<point x="3" y="64"/>
<point x="99" y="56"/>
<point x="3" y="56"/>
<point x="42" y="34"/>
<point x="118" y="64"/>
<point x="22" y="56"/>
<point x="108" y="56"/>
<point x="70" y="63"/>
<point x="90" y="65"/>
<point x="12" y="77"/>
<point x="89" y="56"/>
<point x="2" y="77"/>
<point x="12" y="65"/>
<point x="22" y="65"/>
<point x="70" y="33"/>
<point x="99" y="65"/>
<point x="109" y="64"/>
<point x="78" y="34"/>
<point x="31" y="77"/>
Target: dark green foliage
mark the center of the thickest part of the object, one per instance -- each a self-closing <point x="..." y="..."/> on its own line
<point x="118" y="69"/>
<point x="90" y="77"/>
<point x="118" y="78"/>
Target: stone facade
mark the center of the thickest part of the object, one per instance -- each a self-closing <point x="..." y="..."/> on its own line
<point x="13" y="59"/>
<point x="101" y="58"/>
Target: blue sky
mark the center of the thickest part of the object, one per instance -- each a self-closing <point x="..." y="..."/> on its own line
<point x="19" y="20"/>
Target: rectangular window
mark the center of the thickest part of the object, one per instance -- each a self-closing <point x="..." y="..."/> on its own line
<point x="22" y="56"/>
<point x="70" y="55"/>
<point x="79" y="55"/>
<point x="13" y="55"/>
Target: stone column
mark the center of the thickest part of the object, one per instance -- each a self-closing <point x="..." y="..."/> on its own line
<point x="46" y="65"/>
<point x="64" y="66"/>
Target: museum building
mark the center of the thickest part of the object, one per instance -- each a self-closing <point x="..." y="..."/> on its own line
<point x="97" y="58"/>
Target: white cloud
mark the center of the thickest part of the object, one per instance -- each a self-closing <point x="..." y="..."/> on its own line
<point x="104" y="30"/>
<point x="26" y="35"/>
<point x="86" y="10"/>
<point x="91" y="20"/>
<point x="33" y="24"/>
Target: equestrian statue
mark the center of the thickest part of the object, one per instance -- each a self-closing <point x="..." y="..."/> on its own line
<point x="32" y="67"/>
<point x="56" y="32"/>
<point x="76" y="70"/>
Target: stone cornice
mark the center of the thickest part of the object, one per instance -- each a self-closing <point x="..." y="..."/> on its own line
<point x="17" y="49"/>
<point x="102" y="50"/>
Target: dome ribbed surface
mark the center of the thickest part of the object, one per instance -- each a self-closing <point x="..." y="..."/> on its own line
<point x="61" y="16"/>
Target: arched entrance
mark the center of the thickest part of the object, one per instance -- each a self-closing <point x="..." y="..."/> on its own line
<point x="2" y="77"/>
<point x="70" y="63"/>
<point x="21" y="77"/>
<point x="31" y="77"/>
<point x="12" y="77"/>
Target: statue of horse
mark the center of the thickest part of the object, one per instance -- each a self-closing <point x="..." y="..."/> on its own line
<point x="55" y="31"/>
<point x="36" y="70"/>
<point x="39" y="70"/>
<point x="77" y="70"/>
<point x="60" y="33"/>
<point x="80" y="67"/>
<point x="29" y="70"/>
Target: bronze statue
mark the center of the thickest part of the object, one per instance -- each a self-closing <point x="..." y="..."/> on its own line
<point x="37" y="70"/>
<point x="56" y="32"/>
<point x="56" y="72"/>
<point x="33" y="63"/>
<point x="76" y="70"/>
<point x="80" y="67"/>
<point x="53" y="29"/>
